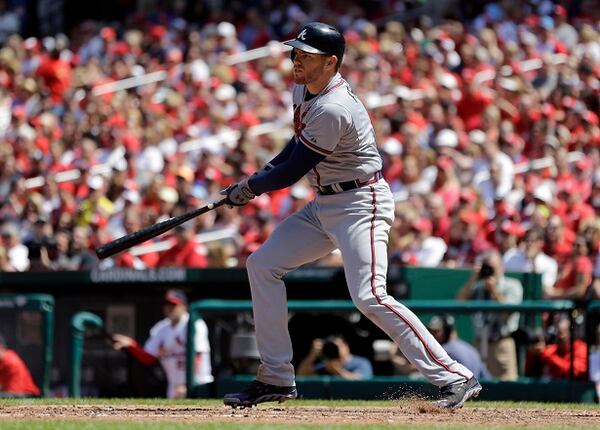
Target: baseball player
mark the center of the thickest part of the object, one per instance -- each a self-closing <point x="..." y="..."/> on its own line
<point x="334" y="144"/>
<point x="167" y="344"/>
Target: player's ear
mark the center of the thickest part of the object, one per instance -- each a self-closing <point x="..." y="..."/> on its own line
<point x="332" y="60"/>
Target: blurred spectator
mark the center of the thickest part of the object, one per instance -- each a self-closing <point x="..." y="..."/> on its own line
<point x="167" y="344"/>
<point x="594" y="361"/>
<point x="494" y="330"/>
<point x="559" y="239"/>
<point x="186" y="251"/>
<point x="575" y="275"/>
<point x="16" y="254"/>
<point x="41" y="245"/>
<point x="425" y="250"/>
<point x="148" y="260"/>
<point x="15" y="378"/>
<point x="530" y="258"/>
<point x="553" y="360"/>
<point x="442" y="327"/>
<point x="332" y="356"/>
<point x="74" y="254"/>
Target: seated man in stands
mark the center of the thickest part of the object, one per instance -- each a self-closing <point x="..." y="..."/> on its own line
<point x="15" y="378"/>
<point x="553" y="360"/>
<point x="443" y="329"/>
<point x="332" y="356"/>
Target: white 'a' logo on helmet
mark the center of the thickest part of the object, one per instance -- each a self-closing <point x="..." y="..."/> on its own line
<point x="302" y="35"/>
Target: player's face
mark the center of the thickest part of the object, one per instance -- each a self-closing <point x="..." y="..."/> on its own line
<point x="309" y="68"/>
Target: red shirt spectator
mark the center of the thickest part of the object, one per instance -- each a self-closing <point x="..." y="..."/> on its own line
<point x="554" y="360"/>
<point x="575" y="274"/>
<point x="56" y="74"/>
<point x="185" y="252"/>
<point x="15" y="378"/>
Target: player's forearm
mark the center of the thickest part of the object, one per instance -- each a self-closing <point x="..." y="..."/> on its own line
<point x="287" y="173"/>
<point x="140" y="355"/>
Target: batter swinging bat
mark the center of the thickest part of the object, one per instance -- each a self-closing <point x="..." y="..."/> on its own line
<point x="137" y="237"/>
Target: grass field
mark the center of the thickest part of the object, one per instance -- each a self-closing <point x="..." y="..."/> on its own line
<point x="155" y="414"/>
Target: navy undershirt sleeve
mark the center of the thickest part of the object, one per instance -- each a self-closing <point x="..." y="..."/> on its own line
<point x="284" y="154"/>
<point x="288" y="172"/>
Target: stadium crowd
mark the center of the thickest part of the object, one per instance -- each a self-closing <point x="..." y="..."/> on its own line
<point x="488" y="128"/>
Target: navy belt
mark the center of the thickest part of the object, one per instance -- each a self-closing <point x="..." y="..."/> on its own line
<point x="348" y="185"/>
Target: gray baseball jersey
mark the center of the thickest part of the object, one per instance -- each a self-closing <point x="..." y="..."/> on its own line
<point x="355" y="219"/>
<point x="336" y="124"/>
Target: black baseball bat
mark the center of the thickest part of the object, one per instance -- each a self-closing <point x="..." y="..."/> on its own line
<point x="111" y="248"/>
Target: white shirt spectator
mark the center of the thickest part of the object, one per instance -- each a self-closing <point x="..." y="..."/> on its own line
<point x="515" y="260"/>
<point x="18" y="257"/>
<point x="431" y="252"/>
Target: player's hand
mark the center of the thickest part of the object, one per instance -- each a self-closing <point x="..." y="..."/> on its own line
<point x="121" y="341"/>
<point x="239" y="193"/>
<point x="316" y="348"/>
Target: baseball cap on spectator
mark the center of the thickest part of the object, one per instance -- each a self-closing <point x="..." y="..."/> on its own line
<point x="448" y="81"/>
<point x="513" y="228"/>
<point x="176" y="297"/>
<point x="560" y="10"/>
<point x="225" y="92"/>
<point x="392" y="146"/>
<point x="590" y="117"/>
<point x="477" y="136"/>
<point x="472" y="217"/>
<point x="158" y="31"/>
<point x="108" y="33"/>
<point x="548" y="110"/>
<point x="446" y="138"/>
<point x="168" y="194"/>
<point x="543" y="193"/>
<point x="132" y="196"/>
<point x="226" y="30"/>
<point x="95" y="182"/>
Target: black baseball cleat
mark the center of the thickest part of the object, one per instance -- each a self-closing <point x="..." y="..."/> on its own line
<point x="259" y="392"/>
<point x="454" y="396"/>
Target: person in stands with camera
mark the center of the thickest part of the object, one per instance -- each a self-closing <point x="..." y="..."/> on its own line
<point x="332" y="356"/>
<point x="443" y="328"/>
<point x="494" y="329"/>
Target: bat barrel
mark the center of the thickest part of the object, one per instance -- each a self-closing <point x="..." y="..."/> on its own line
<point x="127" y="241"/>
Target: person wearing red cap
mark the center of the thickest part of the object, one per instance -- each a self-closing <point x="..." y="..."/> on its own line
<point x="15" y="378"/>
<point x="168" y="344"/>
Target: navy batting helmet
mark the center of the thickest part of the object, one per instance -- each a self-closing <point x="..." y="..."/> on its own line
<point x="320" y="38"/>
